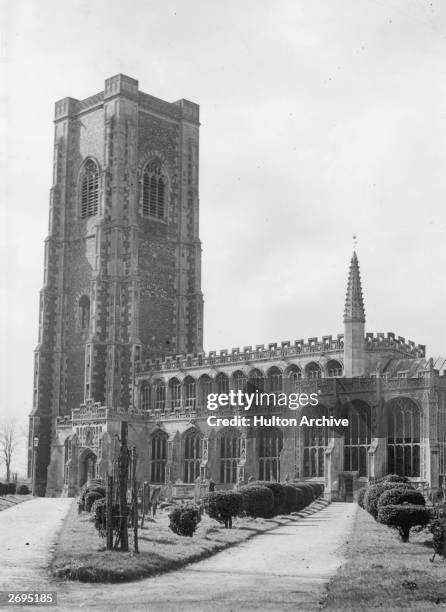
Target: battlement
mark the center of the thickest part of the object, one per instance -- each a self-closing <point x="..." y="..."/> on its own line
<point x="122" y="85"/>
<point x="394" y="343"/>
<point x="274" y="350"/>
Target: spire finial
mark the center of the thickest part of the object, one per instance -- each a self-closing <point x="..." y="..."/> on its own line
<point x="354" y="302"/>
<point x="355" y="241"/>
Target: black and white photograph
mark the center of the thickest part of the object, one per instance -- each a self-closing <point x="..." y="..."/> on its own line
<point x="223" y="296"/>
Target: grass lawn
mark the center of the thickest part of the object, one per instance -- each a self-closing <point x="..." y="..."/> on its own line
<point x="383" y="573"/>
<point x="80" y="553"/>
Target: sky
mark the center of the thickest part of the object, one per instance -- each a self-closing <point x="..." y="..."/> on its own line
<point x="319" y="120"/>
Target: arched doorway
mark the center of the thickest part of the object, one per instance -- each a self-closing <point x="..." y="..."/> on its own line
<point x="88" y="466"/>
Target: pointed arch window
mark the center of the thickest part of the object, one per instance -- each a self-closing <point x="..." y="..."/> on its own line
<point x="192" y="456"/>
<point x="89" y="189"/>
<point x="84" y="312"/>
<point x="229" y="456"/>
<point x="158" y="458"/>
<point x="154" y="190"/>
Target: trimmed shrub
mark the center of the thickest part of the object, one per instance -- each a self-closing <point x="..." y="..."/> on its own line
<point x="317" y="487"/>
<point x="291" y="499"/>
<point x="307" y="490"/>
<point x="392" y="478"/>
<point x="90" y="487"/>
<point x="403" y="518"/>
<point x="3" y="488"/>
<point x="373" y="493"/>
<point x="258" y="501"/>
<point x="23" y="490"/>
<point x="394" y="497"/>
<point x="278" y="494"/>
<point x="11" y="488"/>
<point x="184" y="519"/>
<point x="90" y="498"/>
<point x="223" y="505"/>
<point x="361" y="494"/>
<point x="438" y="530"/>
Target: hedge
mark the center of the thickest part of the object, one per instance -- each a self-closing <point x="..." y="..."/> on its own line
<point x="307" y="490"/>
<point x="392" y="478"/>
<point x="400" y="496"/>
<point x="361" y="495"/>
<point x="403" y="518"/>
<point x="90" y="498"/>
<point x="257" y="500"/>
<point x="223" y="505"/>
<point x="278" y="494"/>
<point x="23" y="490"/>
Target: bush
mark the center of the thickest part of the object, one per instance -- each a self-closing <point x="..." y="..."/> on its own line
<point x="258" y="501"/>
<point x="90" y="487"/>
<point x="184" y="519"/>
<point x="11" y="488"/>
<point x="403" y="518"/>
<point x="3" y="488"/>
<point x="438" y="530"/>
<point x="23" y="490"/>
<point x="307" y="490"/>
<point x="317" y="487"/>
<point x="223" y="505"/>
<point x="373" y="493"/>
<point x="392" y="478"/>
<point x="90" y="498"/>
<point x="291" y="499"/>
<point x="278" y="494"/>
<point x="361" y="495"/>
<point x="394" y="497"/>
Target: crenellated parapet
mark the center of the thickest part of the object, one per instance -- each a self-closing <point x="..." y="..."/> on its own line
<point x="394" y="343"/>
<point x="260" y="352"/>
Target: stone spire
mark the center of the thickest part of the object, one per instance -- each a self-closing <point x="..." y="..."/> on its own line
<point x="354" y="302"/>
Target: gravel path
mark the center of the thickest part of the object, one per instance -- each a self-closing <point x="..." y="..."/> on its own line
<point x="284" y="569"/>
<point x="28" y="532"/>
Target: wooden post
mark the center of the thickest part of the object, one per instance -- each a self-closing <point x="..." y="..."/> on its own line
<point x="135" y="501"/>
<point x="109" y="507"/>
<point x="123" y="477"/>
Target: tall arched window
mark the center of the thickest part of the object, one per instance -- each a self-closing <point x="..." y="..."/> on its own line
<point x="89" y="189"/>
<point x="274" y="380"/>
<point x="190" y="392"/>
<point x="229" y="456"/>
<point x="204" y="388"/>
<point x="357" y="438"/>
<point x="315" y="443"/>
<point x="239" y="381"/>
<point x="154" y="190"/>
<point x="175" y="393"/>
<point x="84" y="312"/>
<point x="192" y="456"/>
<point x="222" y="383"/>
<point x="160" y="396"/>
<point x="270" y="442"/>
<point x="294" y="375"/>
<point x="403" y="437"/>
<point x="158" y="457"/>
<point x="145" y="396"/>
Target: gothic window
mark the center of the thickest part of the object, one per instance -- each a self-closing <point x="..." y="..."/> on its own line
<point x="313" y="371"/>
<point x="190" y="392"/>
<point x="229" y="456"/>
<point x="315" y="443"/>
<point x="357" y="438"/>
<point x="204" y="388"/>
<point x="274" y="380"/>
<point x="192" y="456"/>
<point x="84" y="312"/>
<point x="294" y="374"/>
<point x="403" y="437"/>
<point x="145" y="396"/>
<point x="175" y="393"/>
<point x="154" y="191"/>
<point x="89" y="189"/>
<point x="334" y="369"/>
<point x="270" y="442"/>
<point x="160" y="396"/>
<point x="239" y="381"/>
<point x="158" y="457"/>
<point x="222" y="383"/>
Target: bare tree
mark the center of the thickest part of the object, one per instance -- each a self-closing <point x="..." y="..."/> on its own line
<point x="9" y="439"/>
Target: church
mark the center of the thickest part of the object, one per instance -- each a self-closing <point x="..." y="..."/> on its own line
<point x="121" y="336"/>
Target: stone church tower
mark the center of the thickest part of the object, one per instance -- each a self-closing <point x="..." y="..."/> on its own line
<point x="122" y="279"/>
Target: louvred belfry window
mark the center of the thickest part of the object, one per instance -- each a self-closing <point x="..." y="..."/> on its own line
<point x="154" y="191"/>
<point x="89" y="189"/>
